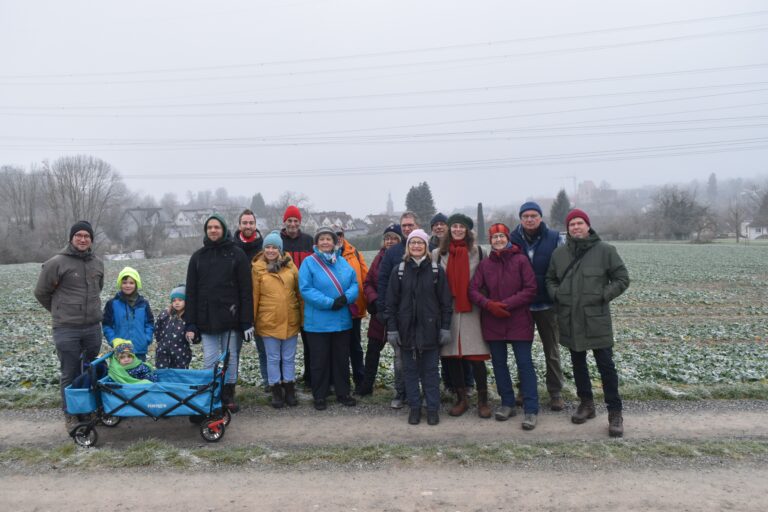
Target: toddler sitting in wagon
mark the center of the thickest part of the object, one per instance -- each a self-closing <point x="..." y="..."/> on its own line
<point x="125" y="368"/>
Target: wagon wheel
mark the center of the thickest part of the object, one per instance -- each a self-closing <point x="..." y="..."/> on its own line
<point x="110" y="421"/>
<point x="85" y="435"/>
<point x="212" y="430"/>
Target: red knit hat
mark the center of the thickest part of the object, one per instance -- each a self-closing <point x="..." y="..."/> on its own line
<point x="498" y="228"/>
<point x="292" y="211"/>
<point x="577" y="213"/>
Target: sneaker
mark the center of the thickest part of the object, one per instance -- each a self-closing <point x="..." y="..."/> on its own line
<point x="396" y="403"/>
<point x="414" y="417"/>
<point x="504" y="412"/>
<point x="433" y="418"/>
<point x="347" y="401"/>
<point x="320" y="405"/>
<point x="556" y="403"/>
<point x="529" y="422"/>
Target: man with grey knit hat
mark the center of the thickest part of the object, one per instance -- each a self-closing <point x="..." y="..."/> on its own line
<point x="69" y="287"/>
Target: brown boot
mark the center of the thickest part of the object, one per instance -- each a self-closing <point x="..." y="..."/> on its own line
<point x="461" y="405"/>
<point x="585" y="411"/>
<point x="290" y="394"/>
<point x="615" y="424"/>
<point x="483" y="410"/>
<point x="277" y="396"/>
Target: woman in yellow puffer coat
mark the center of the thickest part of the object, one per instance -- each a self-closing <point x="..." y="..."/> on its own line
<point x="277" y="311"/>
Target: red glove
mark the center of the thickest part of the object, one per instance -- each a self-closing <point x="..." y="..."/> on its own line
<point x="498" y="309"/>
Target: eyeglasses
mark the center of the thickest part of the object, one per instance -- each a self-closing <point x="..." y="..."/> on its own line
<point x="82" y="237"/>
<point x="407" y="225"/>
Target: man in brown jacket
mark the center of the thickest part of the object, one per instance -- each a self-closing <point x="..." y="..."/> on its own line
<point x="69" y="286"/>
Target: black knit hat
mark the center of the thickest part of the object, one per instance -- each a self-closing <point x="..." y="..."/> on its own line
<point x="81" y="225"/>
<point x="394" y="228"/>
<point x="326" y="231"/>
<point x="460" y="218"/>
<point x="439" y="217"/>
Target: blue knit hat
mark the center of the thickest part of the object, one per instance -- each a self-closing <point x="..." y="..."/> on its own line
<point x="274" y="239"/>
<point x="439" y="217"/>
<point x="180" y="292"/>
<point x="530" y="205"/>
<point x="394" y="228"/>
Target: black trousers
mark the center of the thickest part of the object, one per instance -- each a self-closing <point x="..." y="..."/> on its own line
<point x="330" y="353"/>
<point x="608" y="376"/>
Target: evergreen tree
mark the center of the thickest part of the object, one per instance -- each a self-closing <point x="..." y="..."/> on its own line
<point x="419" y="200"/>
<point x="258" y="206"/>
<point x="559" y="210"/>
<point x="481" y="234"/>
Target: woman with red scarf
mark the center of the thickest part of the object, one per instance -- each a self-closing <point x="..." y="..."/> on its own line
<point x="459" y="257"/>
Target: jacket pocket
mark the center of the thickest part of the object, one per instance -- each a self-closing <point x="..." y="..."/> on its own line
<point x="597" y="320"/>
<point x="564" y="321"/>
<point x="69" y="311"/>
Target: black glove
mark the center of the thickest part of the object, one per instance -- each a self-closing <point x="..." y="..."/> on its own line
<point x="371" y="308"/>
<point x="339" y="302"/>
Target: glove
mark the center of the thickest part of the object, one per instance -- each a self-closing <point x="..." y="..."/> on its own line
<point x="248" y="334"/>
<point x="393" y="338"/>
<point x="497" y="309"/>
<point x="445" y="337"/>
<point x="371" y="308"/>
<point x="339" y="302"/>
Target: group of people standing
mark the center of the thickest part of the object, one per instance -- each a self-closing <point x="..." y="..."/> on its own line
<point x="438" y="300"/>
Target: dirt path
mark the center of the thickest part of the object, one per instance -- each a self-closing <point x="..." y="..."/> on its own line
<point x="674" y="484"/>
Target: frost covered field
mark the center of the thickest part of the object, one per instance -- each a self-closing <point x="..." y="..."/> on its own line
<point x="694" y="315"/>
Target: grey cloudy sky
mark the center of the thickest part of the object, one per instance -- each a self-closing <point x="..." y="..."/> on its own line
<point x="346" y="100"/>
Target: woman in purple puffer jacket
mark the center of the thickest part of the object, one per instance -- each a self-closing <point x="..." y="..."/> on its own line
<point x="504" y="286"/>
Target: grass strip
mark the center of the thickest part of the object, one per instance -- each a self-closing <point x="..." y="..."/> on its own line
<point x="158" y="454"/>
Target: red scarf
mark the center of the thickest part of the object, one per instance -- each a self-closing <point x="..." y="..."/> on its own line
<point x="458" y="275"/>
<point x="250" y="239"/>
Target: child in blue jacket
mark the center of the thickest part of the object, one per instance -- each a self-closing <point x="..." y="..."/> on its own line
<point x="127" y="315"/>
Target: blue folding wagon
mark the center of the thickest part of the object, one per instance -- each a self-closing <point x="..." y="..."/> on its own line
<point x="193" y="393"/>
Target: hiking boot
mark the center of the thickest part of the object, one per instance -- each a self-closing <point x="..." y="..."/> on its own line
<point x="290" y="394"/>
<point x="504" y="412"/>
<point x="321" y="404"/>
<point x="363" y="389"/>
<point x="529" y="422"/>
<point x="414" y="417"/>
<point x="433" y="418"/>
<point x="228" y="398"/>
<point x="585" y="411"/>
<point x="483" y="409"/>
<point x="277" y="396"/>
<point x="396" y="403"/>
<point x="461" y="405"/>
<point x="347" y="401"/>
<point x="556" y="403"/>
<point x="615" y="424"/>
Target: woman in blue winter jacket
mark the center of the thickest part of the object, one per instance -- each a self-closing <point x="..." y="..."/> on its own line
<point x="127" y="315"/>
<point x="328" y="286"/>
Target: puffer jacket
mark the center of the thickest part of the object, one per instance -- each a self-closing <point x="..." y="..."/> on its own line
<point x="218" y="288"/>
<point x="318" y="293"/>
<point x="69" y="286"/>
<point x="370" y="286"/>
<point x="505" y="276"/>
<point x="135" y="323"/>
<point x="582" y="297"/>
<point x="276" y="300"/>
<point x="357" y="262"/>
<point x="417" y="306"/>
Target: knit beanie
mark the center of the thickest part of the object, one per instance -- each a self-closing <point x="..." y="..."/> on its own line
<point x="394" y="228"/>
<point x="274" y="239"/>
<point x="439" y="217"/>
<point x="530" y="205"/>
<point x="460" y="218"/>
<point x="219" y="218"/>
<point x="326" y="231"/>
<point x="81" y="225"/>
<point x="129" y="272"/>
<point x="292" y="211"/>
<point x="577" y="213"/>
<point x="180" y="292"/>
<point x="419" y="233"/>
<point x="120" y="345"/>
<point x="498" y="228"/>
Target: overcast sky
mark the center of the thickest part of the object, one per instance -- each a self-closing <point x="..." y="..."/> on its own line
<point x="346" y="100"/>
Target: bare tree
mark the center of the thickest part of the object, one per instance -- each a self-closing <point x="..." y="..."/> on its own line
<point x="19" y="194"/>
<point x="735" y="215"/>
<point x="288" y="198"/>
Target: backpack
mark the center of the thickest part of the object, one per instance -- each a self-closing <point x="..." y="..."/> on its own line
<point x="435" y="272"/>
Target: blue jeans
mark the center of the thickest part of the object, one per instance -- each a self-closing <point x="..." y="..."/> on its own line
<point x="281" y="359"/>
<point x="262" y="359"/>
<point x="608" y="376"/>
<point x="525" y="371"/>
<point x="215" y="344"/>
<point x="422" y="368"/>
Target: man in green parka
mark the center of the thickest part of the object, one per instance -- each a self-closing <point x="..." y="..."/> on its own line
<point x="584" y="276"/>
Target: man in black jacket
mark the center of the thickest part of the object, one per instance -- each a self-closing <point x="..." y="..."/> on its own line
<point x="219" y="301"/>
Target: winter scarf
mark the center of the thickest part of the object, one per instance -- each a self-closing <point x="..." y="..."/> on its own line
<point x="458" y="275"/>
<point x="119" y="373"/>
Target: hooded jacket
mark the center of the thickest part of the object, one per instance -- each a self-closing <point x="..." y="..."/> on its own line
<point x="583" y="295"/>
<point x="69" y="286"/>
<point x="357" y="262"/>
<point x="251" y="249"/>
<point x="218" y="288"/>
<point x="135" y="323"/>
<point x="505" y="276"/>
<point x="276" y="301"/>
<point x="318" y="293"/>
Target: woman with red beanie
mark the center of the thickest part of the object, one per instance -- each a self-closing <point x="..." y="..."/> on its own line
<point x="504" y="286"/>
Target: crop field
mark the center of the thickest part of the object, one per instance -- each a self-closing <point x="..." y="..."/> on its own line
<point x="693" y="315"/>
